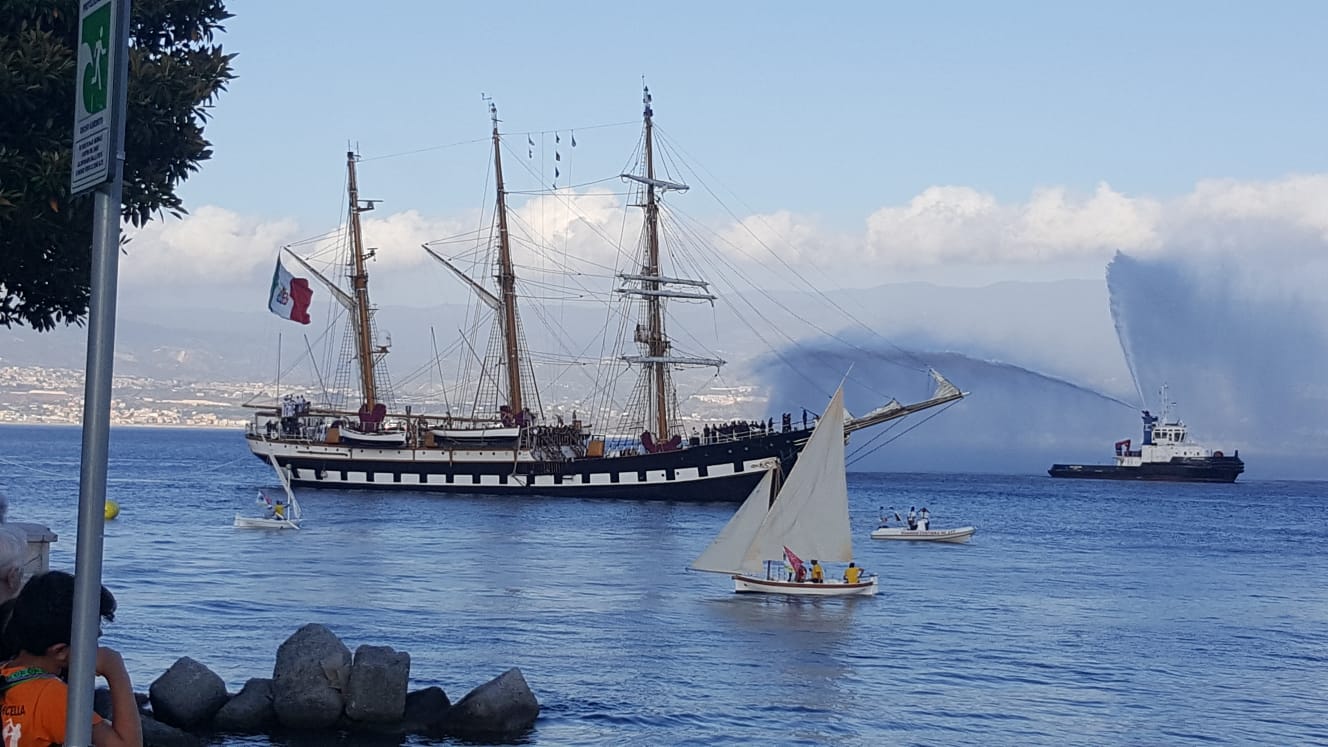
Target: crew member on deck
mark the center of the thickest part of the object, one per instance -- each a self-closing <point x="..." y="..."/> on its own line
<point x="852" y="573"/>
<point x="818" y="573"/>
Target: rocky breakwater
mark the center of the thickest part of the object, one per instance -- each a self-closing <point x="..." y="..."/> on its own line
<point x="317" y="686"/>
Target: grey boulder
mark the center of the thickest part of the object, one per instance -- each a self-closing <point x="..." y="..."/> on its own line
<point x="187" y="695"/>
<point x="377" y="688"/>
<point x="502" y="706"/>
<point x="250" y="711"/>
<point x="309" y="678"/>
<point x="157" y="734"/>
<point x="426" y="711"/>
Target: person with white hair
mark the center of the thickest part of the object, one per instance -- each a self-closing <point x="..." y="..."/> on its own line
<point x="13" y="557"/>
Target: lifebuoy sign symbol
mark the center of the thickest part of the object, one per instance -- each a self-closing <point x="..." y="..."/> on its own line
<point x="91" y="164"/>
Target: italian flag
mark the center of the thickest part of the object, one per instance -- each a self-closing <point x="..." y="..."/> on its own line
<point x="290" y="296"/>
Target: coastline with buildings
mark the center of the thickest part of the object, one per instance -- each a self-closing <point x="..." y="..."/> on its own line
<point x="40" y="395"/>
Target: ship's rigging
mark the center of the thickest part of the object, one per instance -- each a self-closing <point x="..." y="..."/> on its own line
<point x="497" y="373"/>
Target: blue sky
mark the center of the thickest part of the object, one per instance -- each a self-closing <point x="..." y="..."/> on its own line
<point x="953" y="143"/>
<point x="832" y="111"/>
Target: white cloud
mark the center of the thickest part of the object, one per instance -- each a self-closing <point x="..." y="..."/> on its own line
<point x="797" y="239"/>
<point x="397" y="237"/>
<point x="961" y="224"/>
<point x="1300" y="201"/>
<point x="210" y="245"/>
<point x="589" y="225"/>
<point x="937" y="231"/>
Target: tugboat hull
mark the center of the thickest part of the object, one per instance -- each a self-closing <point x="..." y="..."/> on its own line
<point x="1179" y="469"/>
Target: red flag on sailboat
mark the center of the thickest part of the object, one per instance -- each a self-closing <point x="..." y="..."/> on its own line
<point x="793" y="560"/>
<point x="290" y="295"/>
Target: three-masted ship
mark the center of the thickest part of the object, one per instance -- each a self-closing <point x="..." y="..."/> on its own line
<point x="506" y="445"/>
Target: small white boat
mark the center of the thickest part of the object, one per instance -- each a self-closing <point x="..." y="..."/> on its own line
<point x="809" y="513"/>
<point x="962" y="534"/>
<point x="389" y="439"/>
<point x="480" y="436"/>
<point x="258" y="522"/>
<point x="285" y="515"/>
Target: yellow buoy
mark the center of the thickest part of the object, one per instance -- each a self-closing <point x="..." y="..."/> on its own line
<point x="112" y="509"/>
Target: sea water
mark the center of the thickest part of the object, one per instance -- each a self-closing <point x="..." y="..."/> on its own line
<point x="1082" y="612"/>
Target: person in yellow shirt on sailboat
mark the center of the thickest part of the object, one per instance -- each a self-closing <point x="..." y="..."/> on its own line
<point x="818" y="573"/>
<point x="852" y="573"/>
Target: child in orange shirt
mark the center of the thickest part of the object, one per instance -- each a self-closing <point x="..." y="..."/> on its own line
<point x="33" y="697"/>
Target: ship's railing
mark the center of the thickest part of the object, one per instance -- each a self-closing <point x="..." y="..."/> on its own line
<point x="742" y="431"/>
<point x="311" y="428"/>
<point x="733" y="432"/>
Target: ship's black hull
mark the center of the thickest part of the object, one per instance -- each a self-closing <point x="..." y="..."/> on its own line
<point x="711" y="472"/>
<point x="1179" y="469"/>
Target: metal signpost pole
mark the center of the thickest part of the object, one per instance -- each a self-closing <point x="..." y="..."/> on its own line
<point x="101" y="77"/>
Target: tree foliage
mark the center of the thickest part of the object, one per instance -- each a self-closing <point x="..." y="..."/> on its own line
<point x="176" y="72"/>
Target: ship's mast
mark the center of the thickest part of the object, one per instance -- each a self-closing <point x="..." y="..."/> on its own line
<point x="506" y="279"/>
<point x="654" y="287"/>
<point x="656" y="343"/>
<point x="359" y="281"/>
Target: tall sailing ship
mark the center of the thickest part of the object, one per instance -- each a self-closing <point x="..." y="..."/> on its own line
<point x="506" y="444"/>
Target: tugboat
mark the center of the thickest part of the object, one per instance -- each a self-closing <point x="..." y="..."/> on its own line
<point x="1165" y="455"/>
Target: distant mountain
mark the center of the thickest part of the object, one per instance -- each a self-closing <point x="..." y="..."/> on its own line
<point x="1060" y="328"/>
<point x="1042" y="361"/>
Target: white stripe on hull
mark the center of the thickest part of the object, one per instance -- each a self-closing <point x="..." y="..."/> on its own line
<point x="461" y="479"/>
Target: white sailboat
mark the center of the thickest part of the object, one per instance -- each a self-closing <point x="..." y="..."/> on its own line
<point x="289" y="514"/>
<point x="809" y="515"/>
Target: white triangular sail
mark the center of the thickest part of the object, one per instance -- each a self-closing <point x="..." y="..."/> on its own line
<point x="725" y="554"/>
<point x="285" y="485"/>
<point x="810" y="515"/>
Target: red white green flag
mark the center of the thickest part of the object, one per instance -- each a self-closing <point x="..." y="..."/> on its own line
<point x="290" y="296"/>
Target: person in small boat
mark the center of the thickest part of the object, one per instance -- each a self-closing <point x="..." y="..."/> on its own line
<point x="912" y="517"/>
<point x="265" y="501"/>
<point x="279" y="510"/>
<point x="788" y="569"/>
<point x="818" y="573"/>
<point x="799" y="573"/>
<point x="924" y="518"/>
<point x="852" y="573"/>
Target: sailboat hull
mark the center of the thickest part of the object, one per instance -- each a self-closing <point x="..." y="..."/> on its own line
<point x="256" y="522"/>
<point x="755" y="585"/>
<point x="724" y="472"/>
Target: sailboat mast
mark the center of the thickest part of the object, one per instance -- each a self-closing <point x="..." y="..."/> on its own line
<point x="506" y="278"/>
<point x="656" y="342"/>
<point x="359" y="281"/>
